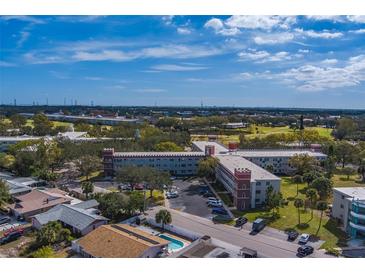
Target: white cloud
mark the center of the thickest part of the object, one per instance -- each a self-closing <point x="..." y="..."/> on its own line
<point x="264" y="56"/>
<point x="260" y="22"/>
<point x="335" y="18"/>
<point x="271" y="39"/>
<point x="329" y="61"/>
<point x="6" y="64"/>
<point x="183" y="30"/>
<point x="93" y="78"/>
<point x="23" y="18"/>
<point x="150" y="90"/>
<point x="24" y="35"/>
<point x="173" y="67"/>
<point x="219" y="28"/>
<point x="323" y="34"/>
<point x="356" y="18"/>
<point x="112" y="52"/>
<point x="358" y="31"/>
<point x="312" y="78"/>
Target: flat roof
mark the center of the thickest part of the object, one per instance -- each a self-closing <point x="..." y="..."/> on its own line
<point x="219" y="148"/>
<point x="159" y="154"/>
<point x="353" y="192"/>
<point x="277" y="153"/>
<point x="231" y="162"/>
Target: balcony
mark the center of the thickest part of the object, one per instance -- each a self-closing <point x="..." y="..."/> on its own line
<point x="357" y="215"/>
<point x="357" y="226"/>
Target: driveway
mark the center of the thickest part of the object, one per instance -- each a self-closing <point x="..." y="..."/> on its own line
<point x="266" y="246"/>
<point x="189" y="200"/>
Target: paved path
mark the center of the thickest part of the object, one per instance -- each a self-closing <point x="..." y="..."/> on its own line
<point x="266" y="246"/>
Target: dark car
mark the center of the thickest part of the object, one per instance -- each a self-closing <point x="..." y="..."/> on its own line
<point x="4" y="220"/>
<point x="292" y="235"/>
<point x="241" y="221"/>
<point x="208" y="194"/>
<point x="305" y="250"/>
<point x="11" y="237"/>
<point x="219" y="211"/>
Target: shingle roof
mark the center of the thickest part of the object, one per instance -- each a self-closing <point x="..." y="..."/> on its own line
<point x="69" y="214"/>
<point x="277" y="153"/>
<point x="108" y="241"/>
<point x="87" y="204"/>
<point x="159" y="154"/>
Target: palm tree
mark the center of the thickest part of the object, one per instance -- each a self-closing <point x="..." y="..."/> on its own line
<point x="4" y="193"/>
<point x="298" y="203"/>
<point x="163" y="217"/>
<point x="298" y="180"/>
<point x="87" y="188"/>
<point x="312" y="195"/>
<point x="322" y="206"/>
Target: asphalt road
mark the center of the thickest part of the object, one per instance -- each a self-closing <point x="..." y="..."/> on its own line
<point x="266" y="246"/>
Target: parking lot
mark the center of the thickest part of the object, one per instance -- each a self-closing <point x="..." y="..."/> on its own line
<point x="189" y="200"/>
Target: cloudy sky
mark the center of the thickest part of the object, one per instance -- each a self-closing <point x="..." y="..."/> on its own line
<point x="266" y="61"/>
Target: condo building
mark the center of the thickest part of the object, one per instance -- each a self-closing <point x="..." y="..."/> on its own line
<point x="177" y="163"/>
<point x="349" y="209"/>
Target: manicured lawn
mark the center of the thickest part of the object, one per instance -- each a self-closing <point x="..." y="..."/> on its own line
<point x="328" y="232"/>
<point x="55" y="123"/>
<point x="341" y="181"/>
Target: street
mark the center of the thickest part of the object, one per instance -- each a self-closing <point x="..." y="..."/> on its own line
<point x="265" y="245"/>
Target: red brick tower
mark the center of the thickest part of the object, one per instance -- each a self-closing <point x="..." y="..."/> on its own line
<point x="108" y="155"/>
<point x="242" y="192"/>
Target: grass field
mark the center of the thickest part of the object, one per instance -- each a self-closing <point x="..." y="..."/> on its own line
<point x="261" y="132"/>
<point x="329" y="232"/>
<point x="55" y="123"/>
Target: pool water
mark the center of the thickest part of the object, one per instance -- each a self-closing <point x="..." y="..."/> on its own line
<point x="174" y="244"/>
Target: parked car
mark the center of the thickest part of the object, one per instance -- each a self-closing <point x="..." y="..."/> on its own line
<point x="305" y="251"/>
<point x="4" y="220"/>
<point x="219" y="211"/>
<point x="304" y="238"/>
<point x="216" y="203"/>
<point x="208" y="194"/>
<point x="292" y="235"/>
<point x="241" y="221"/>
<point x="212" y="199"/>
<point x="258" y="225"/>
<point x="246" y="252"/>
<point x="10" y="237"/>
<point x="139" y="187"/>
<point x="172" y="194"/>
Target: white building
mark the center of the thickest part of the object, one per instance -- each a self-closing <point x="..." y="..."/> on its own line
<point x="246" y="181"/>
<point x="177" y="163"/>
<point x="349" y="208"/>
<point x="278" y="159"/>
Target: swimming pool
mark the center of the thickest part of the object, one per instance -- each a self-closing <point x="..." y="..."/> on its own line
<point x="174" y="244"/>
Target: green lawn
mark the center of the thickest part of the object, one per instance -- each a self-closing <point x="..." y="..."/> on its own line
<point x="288" y="219"/>
<point x="55" y="123"/>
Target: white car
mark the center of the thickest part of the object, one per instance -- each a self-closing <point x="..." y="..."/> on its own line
<point x="215" y="204"/>
<point x="212" y="199"/>
<point x="304" y="238"/>
<point x="172" y="194"/>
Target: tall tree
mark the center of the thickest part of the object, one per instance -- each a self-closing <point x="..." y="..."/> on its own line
<point x="298" y="179"/>
<point x="52" y="233"/>
<point x="112" y="205"/>
<point x="88" y="164"/>
<point x="168" y="146"/>
<point x="302" y="163"/>
<point x="163" y="217"/>
<point x="206" y="167"/>
<point x="42" y="126"/>
<point x="323" y="186"/>
<point x="312" y="195"/>
<point x="4" y="193"/>
<point x="344" y="128"/>
<point x="87" y="188"/>
<point x="345" y="152"/>
<point x="298" y="203"/>
<point x="322" y="206"/>
<point x="17" y="120"/>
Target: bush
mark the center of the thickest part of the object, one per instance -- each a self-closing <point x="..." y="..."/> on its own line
<point x="43" y="252"/>
<point x="333" y="251"/>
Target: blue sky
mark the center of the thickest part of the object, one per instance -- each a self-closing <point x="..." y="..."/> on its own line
<point x="253" y="61"/>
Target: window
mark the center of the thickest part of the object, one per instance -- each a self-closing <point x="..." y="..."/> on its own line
<point x="267" y="183"/>
<point x="258" y="183"/>
<point x="258" y="191"/>
<point x="341" y="205"/>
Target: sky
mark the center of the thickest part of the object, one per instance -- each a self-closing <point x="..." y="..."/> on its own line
<point x="241" y="61"/>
